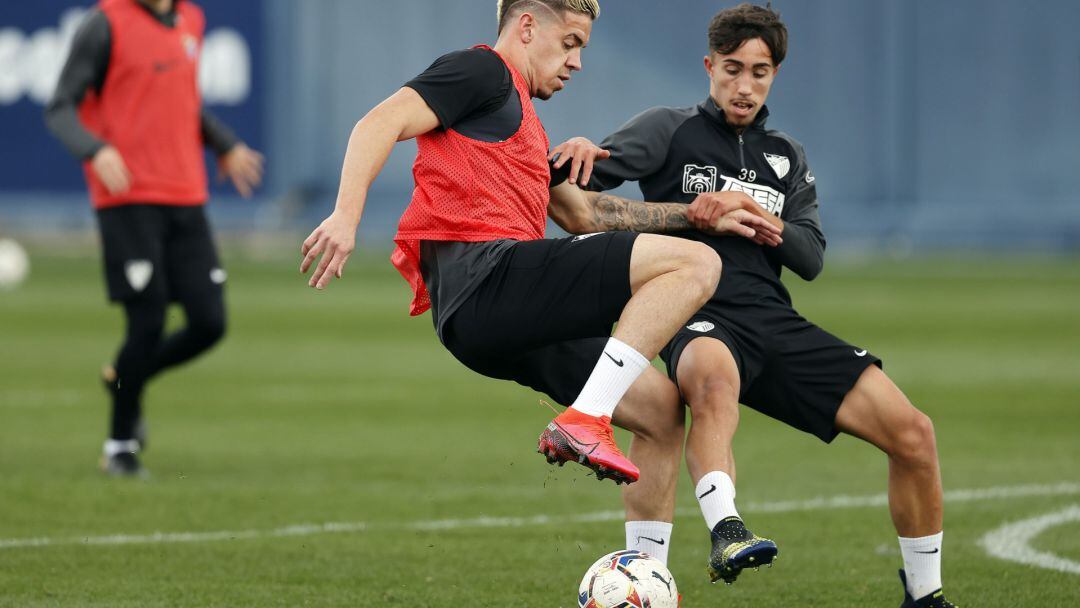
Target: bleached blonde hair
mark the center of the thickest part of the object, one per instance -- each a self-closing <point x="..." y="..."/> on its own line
<point x="508" y="9"/>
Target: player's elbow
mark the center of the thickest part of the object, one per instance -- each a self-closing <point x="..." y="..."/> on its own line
<point x="571" y="212"/>
<point x="811" y="270"/>
<point x="576" y="222"/>
<point x="809" y="265"/>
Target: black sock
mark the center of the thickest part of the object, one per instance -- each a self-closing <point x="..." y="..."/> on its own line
<point x="145" y="323"/>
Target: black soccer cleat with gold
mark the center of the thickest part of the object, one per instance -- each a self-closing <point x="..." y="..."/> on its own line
<point x="934" y="600"/>
<point x="734" y="548"/>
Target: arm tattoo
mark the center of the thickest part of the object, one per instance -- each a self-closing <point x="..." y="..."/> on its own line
<point x="612" y="212"/>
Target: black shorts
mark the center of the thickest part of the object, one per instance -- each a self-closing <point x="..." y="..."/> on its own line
<point x="161" y="252"/>
<point x="789" y="368"/>
<point x="543" y="315"/>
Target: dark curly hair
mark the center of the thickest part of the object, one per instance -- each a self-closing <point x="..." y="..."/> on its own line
<point x="731" y="27"/>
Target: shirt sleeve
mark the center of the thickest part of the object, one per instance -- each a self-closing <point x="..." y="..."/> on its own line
<point x="83" y="71"/>
<point x="463" y="85"/>
<point x="216" y="134"/>
<point x="638" y="149"/>
<point x="803" y="249"/>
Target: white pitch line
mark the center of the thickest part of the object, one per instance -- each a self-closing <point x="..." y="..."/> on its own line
<point x="1012" y="542"/>
<point x="787" y="506"/>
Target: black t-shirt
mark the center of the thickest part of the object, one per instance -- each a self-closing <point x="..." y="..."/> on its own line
<point x="471" y="92"/>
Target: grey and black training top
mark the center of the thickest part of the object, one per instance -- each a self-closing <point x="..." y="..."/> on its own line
<point x="85" y="70"/>
<point x="677" y="153"/>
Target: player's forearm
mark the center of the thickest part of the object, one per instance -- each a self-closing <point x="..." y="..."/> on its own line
<point x="610" y="212"/>
<point x="216" y="134"/>
<point x="803" y="250"/>
<point x="403" y="115"/>
<point x="62" y="120"/>
<point x="369" y="146"/>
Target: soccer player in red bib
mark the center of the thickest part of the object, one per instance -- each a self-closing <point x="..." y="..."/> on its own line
<point x="127" y="104"/>
<point x="505" y="301"/>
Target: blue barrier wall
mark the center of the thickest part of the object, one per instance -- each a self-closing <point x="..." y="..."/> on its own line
<point x="928" y="124"/>
<point x="37" y="175"/>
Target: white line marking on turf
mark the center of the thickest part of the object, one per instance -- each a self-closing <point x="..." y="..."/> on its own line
<point x="1012" y="542"/>
<point x="787" y="506"/>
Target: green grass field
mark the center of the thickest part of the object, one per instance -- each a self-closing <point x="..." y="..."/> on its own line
<point x="331" y="453"/>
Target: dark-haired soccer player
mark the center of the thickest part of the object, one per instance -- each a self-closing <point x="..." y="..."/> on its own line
<point x="506" y="302"/>
<point x="748" y="344"/>
<point x="127" y="105"/>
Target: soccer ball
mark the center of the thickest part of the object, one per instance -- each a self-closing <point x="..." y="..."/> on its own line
<point x="14" y="264"/>
<point x="628" y="579"/>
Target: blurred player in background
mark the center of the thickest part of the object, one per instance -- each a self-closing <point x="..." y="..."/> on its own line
<point x="506" y="302"/>
<point x="748" y="344"/>
<point x="128" y="105"/>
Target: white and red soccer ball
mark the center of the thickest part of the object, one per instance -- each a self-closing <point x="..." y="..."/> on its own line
<point x="628" y="579"/>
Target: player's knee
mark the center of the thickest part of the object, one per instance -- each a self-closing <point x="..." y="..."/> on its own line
<point x="209" y="326"/>
<point x="706" y="266"/>
<point x="668" y="432"/>
<point x="713" y="396"/>
<point x="145" y="334"/>
<point x="212" y="330"/>
<point x="915" y="442"/>
<point x="667" y="428"/>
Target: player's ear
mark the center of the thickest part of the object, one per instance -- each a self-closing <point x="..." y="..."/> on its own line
<point x="708" y="64"/>
<point x="526" y="27"/>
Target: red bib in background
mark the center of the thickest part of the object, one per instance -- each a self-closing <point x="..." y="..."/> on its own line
<point x="149" y="107"/>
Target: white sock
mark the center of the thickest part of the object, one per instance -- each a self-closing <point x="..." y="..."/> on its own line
<point x="922" y="564"/>
<point x="652" y="537"/>
<point x="113" y="447"/>
<point x="716" y="495"/>
<point x="616" y="370"/>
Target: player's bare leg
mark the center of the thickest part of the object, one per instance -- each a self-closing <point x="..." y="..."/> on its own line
<point x="876" y="411"/>
<point x="670" y="279"/>
<point x="653" y="411"/>
<point x="709" y="380"/>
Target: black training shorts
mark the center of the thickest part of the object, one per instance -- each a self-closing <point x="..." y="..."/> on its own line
<point x="163" y="252"/>
<point x="543" y="315"/>
<point x="789" y="368"/>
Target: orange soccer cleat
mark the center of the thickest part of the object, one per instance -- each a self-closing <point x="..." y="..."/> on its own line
<point x="574" y="436"/>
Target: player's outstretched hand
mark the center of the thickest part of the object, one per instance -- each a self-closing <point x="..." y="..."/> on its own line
<point x="243" y="167"/>
<point x="334" y="240"/>
<point x="110" y="168"/>
<point x="581" y="154"/>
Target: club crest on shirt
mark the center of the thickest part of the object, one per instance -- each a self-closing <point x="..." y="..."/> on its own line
<point x="191" y="46"/>
<point x="780" y="164"/>
<point x="697" y="180"/>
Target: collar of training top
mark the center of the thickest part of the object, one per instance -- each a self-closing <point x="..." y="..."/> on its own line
<point x="713" y="111"/>
<point x="168" y="18"/>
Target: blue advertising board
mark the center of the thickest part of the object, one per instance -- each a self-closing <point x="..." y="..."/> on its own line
<point x="34" y="40"/>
